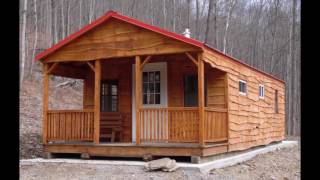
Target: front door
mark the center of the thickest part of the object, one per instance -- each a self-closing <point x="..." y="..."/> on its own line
<point x="154" y="89"/>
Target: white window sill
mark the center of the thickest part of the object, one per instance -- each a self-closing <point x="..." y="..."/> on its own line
<point x="243" y="94"/>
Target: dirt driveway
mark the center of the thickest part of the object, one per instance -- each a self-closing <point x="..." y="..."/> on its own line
<point x="281" y="164"/>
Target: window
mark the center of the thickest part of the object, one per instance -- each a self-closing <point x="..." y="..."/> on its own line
<point x="276" y="102"/>
<point x="191" y="90"/>
<point x="261" y="91"/>
<point x="242" y="87"/>
<point x="151" y="87"/>
<point x="109" y="96"/>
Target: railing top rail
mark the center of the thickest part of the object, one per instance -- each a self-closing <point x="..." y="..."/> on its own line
<point x="212" y="109"/>
<point x="172" y="108"/>
<point x="70" y="110"/>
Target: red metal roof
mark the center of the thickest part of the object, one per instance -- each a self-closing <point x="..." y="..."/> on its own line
<point x="113" y="14"/>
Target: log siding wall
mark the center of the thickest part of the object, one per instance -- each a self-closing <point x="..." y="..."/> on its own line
<point x="252" y="121"/>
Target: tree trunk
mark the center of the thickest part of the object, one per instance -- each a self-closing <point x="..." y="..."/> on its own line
<point x="215" y="28"/>
<point x="197" y="20"/>
<point x="189" y="5"/>
<point x="231" y="6"/>
<point x="164" y="14"/>
<point x="80" y="14"/>
<point x="274" y="36"/>
<point x="132" y="8"/>
<point x="63" y="25"/>
<point x="36" y="36"/>
<point x="208" y="22"/>
<point x="174" y="16"/>
<point x="293" y="70"/>
<point x="152" y="12"/>
<point x="91" y="11"/>
<point x="23" y="39"/>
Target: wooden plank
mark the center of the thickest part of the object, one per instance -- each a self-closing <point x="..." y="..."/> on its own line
<point x="201" y="98"/>
<point x="52" y="67"/>
<point x="192" y="58"/>
<point x="45" y="103"/>
<point x="138" y="96"/>
<point x="97" y="82"/>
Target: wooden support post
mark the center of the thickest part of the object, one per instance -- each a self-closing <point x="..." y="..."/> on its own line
<point x="138" y="97"/>
<point x="226" y="77"/>
<point x="45" y="102"/>
<point x="97" y="81"/>
<point x="201" y="98"/>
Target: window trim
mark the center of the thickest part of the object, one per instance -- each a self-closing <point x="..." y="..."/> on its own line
<point x="263" y="91"/>
<point x="240" y="92"/>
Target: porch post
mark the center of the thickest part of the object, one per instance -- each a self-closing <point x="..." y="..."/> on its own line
<point x="201" y="98"/>
<point x="45" y="102"/>
<point x="138" y="97"/>
<point x="97" y="78"/>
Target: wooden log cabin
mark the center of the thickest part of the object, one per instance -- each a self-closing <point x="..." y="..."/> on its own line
<point x="148" y="91"/>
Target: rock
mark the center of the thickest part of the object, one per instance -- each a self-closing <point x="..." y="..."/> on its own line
<point x="147" y="157"/>
<point x="164" y="164"/>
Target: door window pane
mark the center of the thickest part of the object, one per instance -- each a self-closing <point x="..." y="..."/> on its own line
<point x="151" y="87"/>
<point x="145" y="77"/>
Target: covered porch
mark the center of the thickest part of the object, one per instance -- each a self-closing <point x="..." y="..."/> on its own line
<point x="184" y="108"/>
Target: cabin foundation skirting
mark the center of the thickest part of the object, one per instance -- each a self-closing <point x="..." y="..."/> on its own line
<point x="133" y="150"/>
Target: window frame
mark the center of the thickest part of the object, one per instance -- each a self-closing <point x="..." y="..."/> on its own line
<point x="110" y="82"/>
<point x="263" y="91"/>
<point x="154" y="82"/>
<point x="245" y="83"/>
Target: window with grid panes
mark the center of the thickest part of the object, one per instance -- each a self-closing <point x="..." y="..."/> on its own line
<point x="151" y="88"/>
<point x="109" y="96"/>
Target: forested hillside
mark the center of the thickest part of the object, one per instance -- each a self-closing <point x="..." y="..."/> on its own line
<point x="262" y="33"/>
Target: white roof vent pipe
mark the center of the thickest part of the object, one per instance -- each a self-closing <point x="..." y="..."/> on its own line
<point x="187" y="33"/>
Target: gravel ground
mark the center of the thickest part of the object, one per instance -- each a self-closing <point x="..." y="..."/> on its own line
<point x="281" y="164"/>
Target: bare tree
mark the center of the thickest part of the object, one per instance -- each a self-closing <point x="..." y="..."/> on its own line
<point x="293" y="69"/>
<point x="208" y="21"/>
<point x="215" y="28"/>
<point x="23" y="39"/>
<point x="197" y="19"/>
<point x="164" y="12"/>
<point x="231" y="4"/>
<point x="35" y="36"/>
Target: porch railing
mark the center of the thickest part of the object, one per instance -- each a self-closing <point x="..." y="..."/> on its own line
<point x="215" y="123"/>
<point x="70" y="125"/>
<point x="172" y="124"/>
<point x="181" y="124"/>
